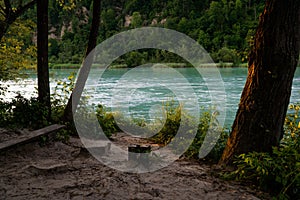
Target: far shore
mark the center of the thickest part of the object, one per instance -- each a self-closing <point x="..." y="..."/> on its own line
<point x="162" y="65"/>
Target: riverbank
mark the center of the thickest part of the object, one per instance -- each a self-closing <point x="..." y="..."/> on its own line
<point x="60" y="170"/>
<point x="173" y="65"/>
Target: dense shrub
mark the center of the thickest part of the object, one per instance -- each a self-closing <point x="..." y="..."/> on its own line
<point x="277" y="172"/>
<point x="106" y="121"/>
<point x="30" y="113"/>
<point x="22" y="112"/>
<point x="171" y="125"/>
<point x="226" y="55"/>
<point x="174" y="119"/>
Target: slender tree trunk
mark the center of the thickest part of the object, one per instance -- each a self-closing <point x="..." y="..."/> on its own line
<point x="68" y="113"/>
<point x="260" y="118"/>
<point x="42" y="55"/>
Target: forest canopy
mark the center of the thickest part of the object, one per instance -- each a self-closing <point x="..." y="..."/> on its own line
<point x="225" y="28"/>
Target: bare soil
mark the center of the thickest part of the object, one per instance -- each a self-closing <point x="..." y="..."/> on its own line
<point x="60" y="170"/>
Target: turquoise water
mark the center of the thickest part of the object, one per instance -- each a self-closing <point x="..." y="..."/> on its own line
<point x="141" y="92"/>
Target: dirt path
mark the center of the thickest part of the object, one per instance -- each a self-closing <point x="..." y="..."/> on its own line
<point x="67" y="171"/>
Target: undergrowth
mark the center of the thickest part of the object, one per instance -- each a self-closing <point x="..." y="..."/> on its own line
<point x="174" y="117"/>
<point x="21" y="112"/>
<point x="206" y="124"/>
<point x="277" y="172"/>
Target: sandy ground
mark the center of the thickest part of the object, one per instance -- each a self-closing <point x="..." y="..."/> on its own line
<point x="67" y="171"/>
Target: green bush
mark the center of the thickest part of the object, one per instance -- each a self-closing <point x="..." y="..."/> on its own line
<point x="277" y="172"/>
<point x="203" y="128"/>
<point x="30" y="113"/>
<point x="135" y="58"/>
<point x="22" y="112"/>
<point x="174" y="119"/>
<point x="226" y="55"/>
<point x="5" y="113"/>
<point x="109" y="126"/>
<point x="106" y="121"/>
<point x="172" y="122"/>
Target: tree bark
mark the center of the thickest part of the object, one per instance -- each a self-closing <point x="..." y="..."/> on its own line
<point x="272" y="63"/>
<point x="42" y="55"/>
<point x="68" y="112"/>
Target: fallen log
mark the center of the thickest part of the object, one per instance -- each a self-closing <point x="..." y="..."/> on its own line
<point x="31" y="136"/>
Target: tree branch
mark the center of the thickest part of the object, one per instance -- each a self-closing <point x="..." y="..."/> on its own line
<point x="2" y="8"/>
<point x="2" y="11"/>
<point x="10" y="16"/>
<point x="20" y="10"/>
<point x="7" y="7"/>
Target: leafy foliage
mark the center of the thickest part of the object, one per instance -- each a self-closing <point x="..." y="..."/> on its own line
<point x="214" y="24"/>
<point x="30" y="113"/>
<point x="22" y="112"/>
<point x="225" y="28"/>
<point x="175" y="118"/>
<point x="16" y="50"/>
<point x="67" y="4"/>
<point x="106" y="121"/>
<point x="171" y="126"/>
<point x="279" y="171"/>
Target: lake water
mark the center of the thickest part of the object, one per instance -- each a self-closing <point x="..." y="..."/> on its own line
<point x="139" y="90"/>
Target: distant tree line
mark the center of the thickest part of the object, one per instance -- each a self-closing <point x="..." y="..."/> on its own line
<point x="225" y="28"/>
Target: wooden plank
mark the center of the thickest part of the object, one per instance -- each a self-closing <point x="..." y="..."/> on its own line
<point x="30" y="136"/>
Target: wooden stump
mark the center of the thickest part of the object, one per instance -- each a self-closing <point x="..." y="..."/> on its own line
<point x="138" y="153"/>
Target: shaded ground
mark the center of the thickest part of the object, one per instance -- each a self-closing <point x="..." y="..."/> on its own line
<point x="68" y="171"/>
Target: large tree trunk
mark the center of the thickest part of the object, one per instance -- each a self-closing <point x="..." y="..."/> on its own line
<point x="68" y="113"/>
<point x="42" y="55"/>
<point x="272" y="63"/>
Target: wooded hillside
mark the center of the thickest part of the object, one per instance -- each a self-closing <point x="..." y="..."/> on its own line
<point x="225" y="28"/>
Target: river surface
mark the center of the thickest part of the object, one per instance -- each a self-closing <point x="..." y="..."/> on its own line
<point x="139" y="93"/>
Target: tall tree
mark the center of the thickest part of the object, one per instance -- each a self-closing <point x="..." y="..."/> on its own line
<point x="10" y="11"/>
<point x="68" y="114"/>
<point x="42" y="54"/>
<point x="272" y="62"/>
